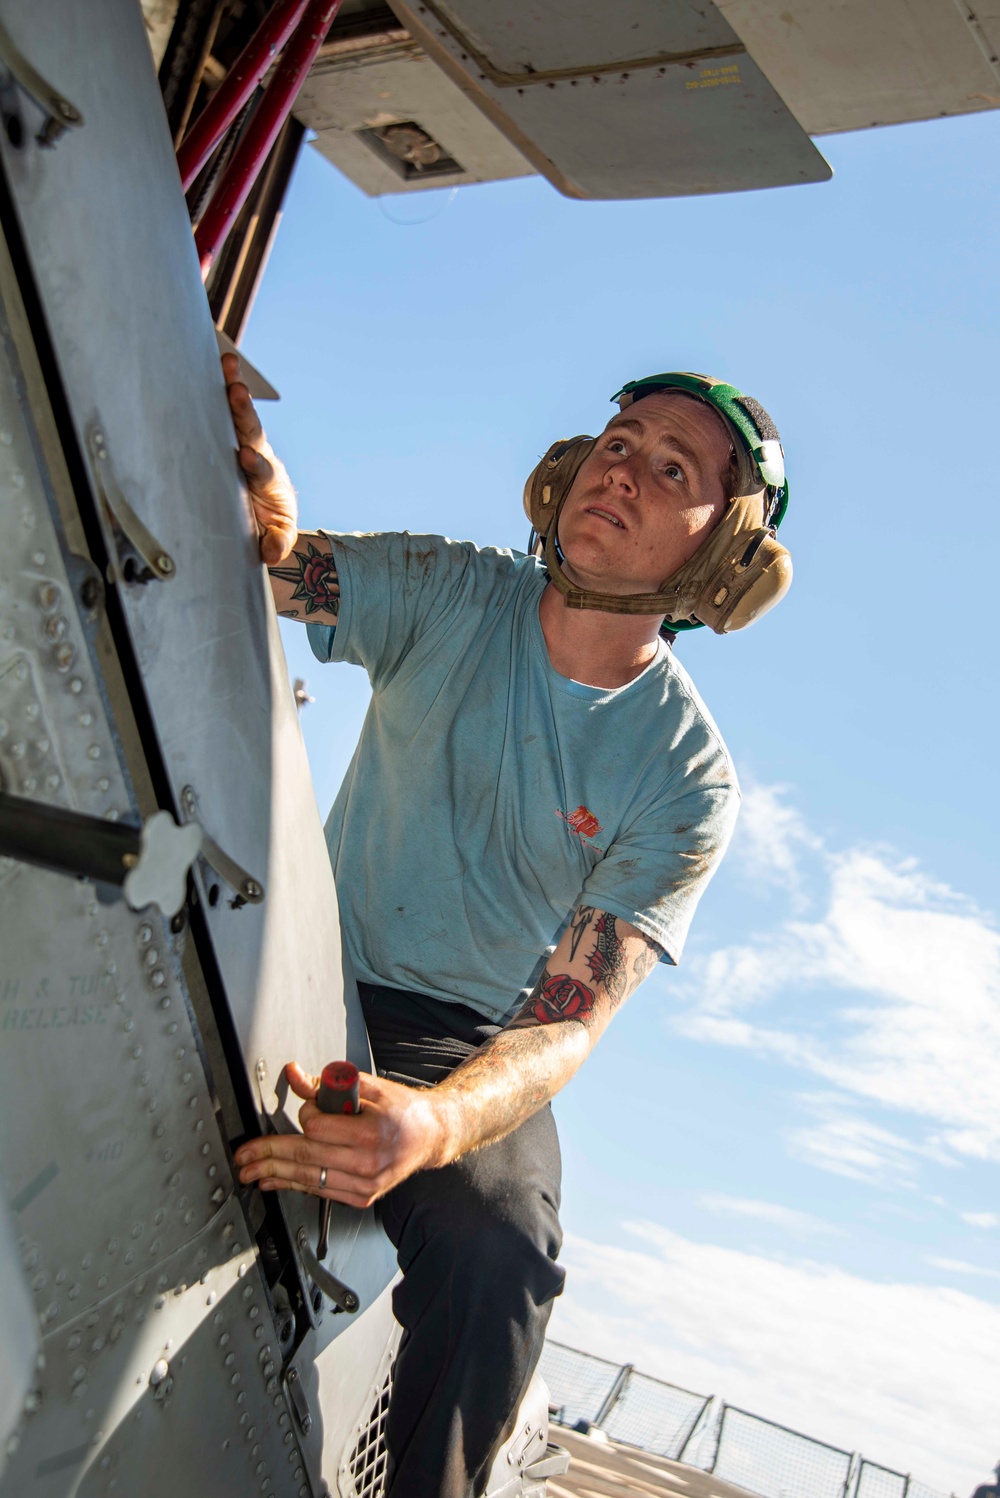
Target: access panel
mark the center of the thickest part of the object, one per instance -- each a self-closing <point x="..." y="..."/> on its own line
<point x="110" y="253"/>
<point x="141" y="668"/>
<point x="640" y="99"/>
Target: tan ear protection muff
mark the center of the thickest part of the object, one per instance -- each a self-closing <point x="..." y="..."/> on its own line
<point x="740" y="570"/>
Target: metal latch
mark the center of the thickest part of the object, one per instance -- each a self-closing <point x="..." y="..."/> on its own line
<point x="309" y="1267"/>
<point x="249" y="891"/>
<point x="148" y="863"/>
<point x="341" y="1295"/>
<point x="148" y="559"/>
<point x="61" y="114"/>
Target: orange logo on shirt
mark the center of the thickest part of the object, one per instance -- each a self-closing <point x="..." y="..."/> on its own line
<point x="582" y="822"/>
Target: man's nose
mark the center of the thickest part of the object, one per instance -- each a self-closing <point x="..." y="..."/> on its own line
<point x="621" y="476"/>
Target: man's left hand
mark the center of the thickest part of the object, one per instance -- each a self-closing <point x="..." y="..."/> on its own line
<point x="271" y="494"/>
<point x="399" y="1130"/>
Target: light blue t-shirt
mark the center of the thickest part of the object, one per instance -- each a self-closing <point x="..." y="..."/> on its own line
<point x="488" y="795"/>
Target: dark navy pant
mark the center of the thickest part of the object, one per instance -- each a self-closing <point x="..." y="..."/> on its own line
<point x="477" y="1243"/>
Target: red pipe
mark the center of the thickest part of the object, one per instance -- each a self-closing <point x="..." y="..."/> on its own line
<point x="262" y="131"/>
<point x="239" y="83"/>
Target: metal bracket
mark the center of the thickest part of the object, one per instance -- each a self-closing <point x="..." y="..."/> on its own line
<point x="297" y="1399"/>
<point x="260" y="1074"/>
<point x="553" y="1462"/>
<point x="156" y="561"/>
<point x="338" y="1292"/>
<point x="249" y="891"/>
<point x="61" y="115"/>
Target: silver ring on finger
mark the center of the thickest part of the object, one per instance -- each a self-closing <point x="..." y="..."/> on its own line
<point x="322" y="1179"/>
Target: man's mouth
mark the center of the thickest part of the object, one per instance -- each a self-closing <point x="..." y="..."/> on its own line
<point x="608" y="515"/>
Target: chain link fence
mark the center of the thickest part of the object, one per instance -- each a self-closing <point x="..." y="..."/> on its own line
<point x="628" y="1406"/>
<point x="655" y="1415"/>
<point x="766" y="1458"/>
<point x="880" y="1482"/>
<point x="579" y="1384"/>
<point x="752" y="1453"/>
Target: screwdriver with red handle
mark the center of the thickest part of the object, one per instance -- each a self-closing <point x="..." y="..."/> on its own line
<point x="338" y="1093"/>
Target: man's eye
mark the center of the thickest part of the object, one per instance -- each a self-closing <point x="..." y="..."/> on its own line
<point x="674" y="471"/>
<point x="616" y="445"/>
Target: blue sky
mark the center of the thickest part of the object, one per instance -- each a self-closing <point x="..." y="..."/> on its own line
<point x="794" y="1201"/>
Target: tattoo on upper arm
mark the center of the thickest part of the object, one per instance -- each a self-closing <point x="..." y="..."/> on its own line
<point x="553" y="999"/>
<point x="607" y="959"/>
<point x="560" y="996"/>
<point x="578" y="923"/>
<point x="315" y="579"/>
<point x="646" y="959"/>
<point x="288" y="614"/>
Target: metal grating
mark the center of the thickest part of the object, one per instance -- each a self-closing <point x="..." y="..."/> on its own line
<point x="367" y="1462"/>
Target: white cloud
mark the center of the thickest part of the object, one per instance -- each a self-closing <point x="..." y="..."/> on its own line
<point x="959" y="1266"/>
<point x="893" y="994"/>
<point x="847" y="1144"/>
<point x="905" y="1373"/>
<point x="888" y="991"/>
<point x="788" y="1219"/>
<point x="771" y="837"/>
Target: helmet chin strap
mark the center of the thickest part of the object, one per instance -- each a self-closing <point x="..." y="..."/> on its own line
<point x="685" y="590"/>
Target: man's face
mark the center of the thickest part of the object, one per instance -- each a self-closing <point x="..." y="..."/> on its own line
<point x="646" y="497"/>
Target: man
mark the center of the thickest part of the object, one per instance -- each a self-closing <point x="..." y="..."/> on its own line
<point x="537" y="801"/>
<point x="989" y="1489"/>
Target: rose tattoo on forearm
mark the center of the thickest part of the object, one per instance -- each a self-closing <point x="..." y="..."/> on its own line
<point x="562" y="996"/>
<point x="555" y="998"/>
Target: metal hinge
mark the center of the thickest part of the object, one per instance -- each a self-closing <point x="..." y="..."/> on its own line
<point x="249" y="891"/>
<point x="140" y="556"/>
<point x="61" y="114"/>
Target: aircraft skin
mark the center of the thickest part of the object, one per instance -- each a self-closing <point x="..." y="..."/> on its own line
<point x="162" y="1330"/>
<point x="642" y="98"/>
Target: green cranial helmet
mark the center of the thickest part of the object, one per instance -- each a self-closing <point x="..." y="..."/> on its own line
<point x="760" y="459"/>
<point x="740" y="570"/>
<point x="755" y="436"/>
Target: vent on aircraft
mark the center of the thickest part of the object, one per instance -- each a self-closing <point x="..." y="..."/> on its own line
<point x="365" y="1467"/>
<point x="410" y="150"/>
